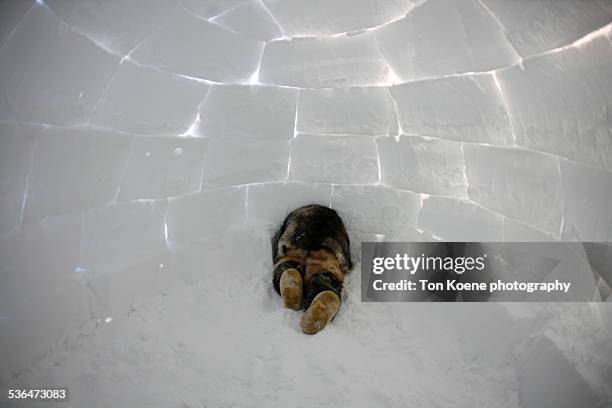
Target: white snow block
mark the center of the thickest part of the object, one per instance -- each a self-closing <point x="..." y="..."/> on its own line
<point x="50" y="245"/>
<point x="41" y="297"/>
<point x="121" y="235"/>
<point x="333" y="159"/>
<point x="467" y="108"/>
<point x="75" y="169"/>
<point x="232" y="163"/>
<point x="537" y="26"/>
<point x="460" y="220"/>
<point x="118" y="291"/>
<point x="356" y="111"/>
<point x="573" y="268"/>
<point x="11" y="14"/>
<point x="194" y="47"/>
<point x="443" y="37"/>
<point x="604" y="293"/>
<point x="251" y="20"/>
<point x="544" y="263"/>
<point x="248" y="112"/>
<point x="17" y="144"/>
<point x="355" y="240"/>
<point x="492" y="330"/>
<point x="517" y="183"/>
<point x="324" y="62"/>
<point x="271" y="202"/>
<point x="160" y="167"/>
<point x="605" y="5"/>
<point x="210" y="8"/>
<point x="148" y="101"/>
<point x="36" y="324"/>
<point x="49" y="73"/>
<point x="117" y="26"/>
<point x="411" y="234"/>
<point x="378" y="209"/>
<point x="559" y="103"/>
<point x="548" y="377"/>
<point x="320" y="17"/>
<point x="600" y="259"/>
<point x="206" y="217"/>
<point x="516" y="231"/>
<point x="6" y="378"/>
<point x="423" y="165"/>
<point x="39" y="285"/>
<point x="586" y="194"/>
<point x="605" y="313"/>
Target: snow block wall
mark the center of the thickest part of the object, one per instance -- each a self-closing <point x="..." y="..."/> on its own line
<point x="143" y="142"/>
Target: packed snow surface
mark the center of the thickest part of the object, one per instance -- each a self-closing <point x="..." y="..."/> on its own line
<point x="149" y="148"/>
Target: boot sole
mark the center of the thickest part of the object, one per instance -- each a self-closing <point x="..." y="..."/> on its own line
<point x="320" y="312"/>
<point x="291" y="288"/>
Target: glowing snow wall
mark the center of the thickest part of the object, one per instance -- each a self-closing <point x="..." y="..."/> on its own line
<point x="130" y="130"/>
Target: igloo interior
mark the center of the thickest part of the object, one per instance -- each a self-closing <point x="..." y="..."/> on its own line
<point x="149" y="148"/>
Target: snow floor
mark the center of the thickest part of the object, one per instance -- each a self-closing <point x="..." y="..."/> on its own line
<point x="222" y="339"/>
<point x="129" y="125"/>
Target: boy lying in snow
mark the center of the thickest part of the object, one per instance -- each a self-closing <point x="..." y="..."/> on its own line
<point x="311" y="254"/>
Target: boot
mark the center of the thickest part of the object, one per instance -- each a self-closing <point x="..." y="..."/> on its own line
<point x="291" y="289"/>
<point x="320" y="312"/>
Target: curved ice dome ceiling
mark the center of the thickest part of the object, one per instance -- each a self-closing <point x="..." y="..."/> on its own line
<point x="500" y="105"/>
<point x="131" y="130"/>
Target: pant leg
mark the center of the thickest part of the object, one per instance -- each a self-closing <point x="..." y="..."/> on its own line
<point x="323" y="272"/>
<point x="320" y="282"/>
